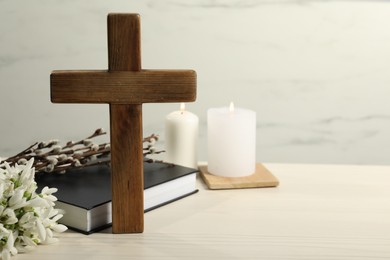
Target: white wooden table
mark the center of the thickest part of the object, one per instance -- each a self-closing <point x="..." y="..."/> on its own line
<point x="317" y="212"/>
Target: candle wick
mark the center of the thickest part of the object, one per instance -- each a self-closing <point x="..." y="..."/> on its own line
<point x="182" y="108"/>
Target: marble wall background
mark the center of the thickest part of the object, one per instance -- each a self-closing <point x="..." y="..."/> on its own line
<point x="316" y="72"/>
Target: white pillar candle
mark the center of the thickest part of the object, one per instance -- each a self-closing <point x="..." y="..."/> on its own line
<point x="181" y="137"/>
<point x="231" y="141"/>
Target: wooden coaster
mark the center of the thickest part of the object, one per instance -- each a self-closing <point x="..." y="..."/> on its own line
<point x="260" y="179"/>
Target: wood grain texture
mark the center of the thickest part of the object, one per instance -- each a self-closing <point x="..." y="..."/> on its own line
<point x="127" y="168"/>
<point x="262" y="178"/>
<point x="126" y="127"/>
<point x="124" y="42"/>
<point x="123" y="87"/>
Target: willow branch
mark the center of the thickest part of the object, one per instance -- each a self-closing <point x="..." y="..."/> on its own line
<point x="52" y="157"/>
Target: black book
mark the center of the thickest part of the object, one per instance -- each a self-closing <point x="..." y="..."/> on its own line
<point x="85" y="193"/>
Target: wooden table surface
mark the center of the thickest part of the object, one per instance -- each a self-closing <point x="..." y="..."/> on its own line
<point x="317" y="212"/>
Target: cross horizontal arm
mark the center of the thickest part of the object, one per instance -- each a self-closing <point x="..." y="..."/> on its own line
<point x="123" y="87"/>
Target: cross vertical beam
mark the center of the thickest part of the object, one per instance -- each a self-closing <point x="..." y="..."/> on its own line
<point x="127" y="169"/>
<point x="126" y="121"/>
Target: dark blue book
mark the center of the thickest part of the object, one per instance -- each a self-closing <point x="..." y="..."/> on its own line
<point x="85" y="193"/>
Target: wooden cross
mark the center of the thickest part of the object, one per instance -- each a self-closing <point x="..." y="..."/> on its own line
<point x="125" y="87"/>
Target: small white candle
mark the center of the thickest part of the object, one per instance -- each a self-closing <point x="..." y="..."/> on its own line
<point x="231" y="141"/>
<point x="181" y="136"/>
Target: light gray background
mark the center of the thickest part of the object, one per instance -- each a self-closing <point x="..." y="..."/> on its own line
<point x="316" y="72"/>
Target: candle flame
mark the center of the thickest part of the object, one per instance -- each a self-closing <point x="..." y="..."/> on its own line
<point x="231" y="107"/>
<point x="182" y="107"/>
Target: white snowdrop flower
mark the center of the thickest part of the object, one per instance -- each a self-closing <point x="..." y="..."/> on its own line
<point x="27" y="219"/>
<point x="26" y="244"/>
<point x="59" y="228"/>
<point x="48" y="191"/>
<point x="4" y="190"/>
<point x="51" y="225"/>
<point x="8" y="248"/>
<point x="57" y="217"/>
<point x="8" y="172"/>
<point x="39" y="202"/>
<point x="3" y="231"/>
<point x="49" y="236"/>
<point x="54" y="212"/>
<point x="9" y="216"/>
<point x="46" y="195"/>
<point x="17" y="198"/>
<point x="28" y="166"/>
<point x="28" y="173"/>
<point x="30" y="190"/>
<point x="50" y="239"/>
<point x="51" y="222"/>
<point x="22" y="203"/>
<point x="41" y="230"/>
<point x="2" y="186"/>
<point x="5" y="254"/>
